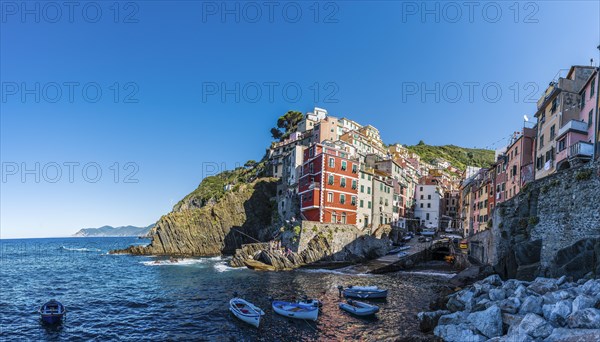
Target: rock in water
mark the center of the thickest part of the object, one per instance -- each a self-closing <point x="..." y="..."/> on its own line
<point x="428" y="320"/>
<point x="488" y="322"/>
<point x="585" y="319"/>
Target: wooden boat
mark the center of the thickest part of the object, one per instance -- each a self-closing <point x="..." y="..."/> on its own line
<point x="363" y="292"/>
<point x="246" y="311"/>
<point x="296" y="310"/>
<point x="359" y="308"/>
<point x="52" y="312"/>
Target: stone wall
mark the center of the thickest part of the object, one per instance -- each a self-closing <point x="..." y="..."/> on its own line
<point x="338" y="235"/>
<point x="551" y="228"/>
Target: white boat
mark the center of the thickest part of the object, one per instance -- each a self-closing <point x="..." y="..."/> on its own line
<point x="364" y="292"/>
<point x="402" y="254"/>
<point x="296" y="310"/>
<point x="359" y="308"/>
<point x="246" y="311"/>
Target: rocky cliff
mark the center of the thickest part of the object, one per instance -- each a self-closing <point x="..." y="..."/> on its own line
<point x="552" y="228"/>
<point x="217" y="223"/>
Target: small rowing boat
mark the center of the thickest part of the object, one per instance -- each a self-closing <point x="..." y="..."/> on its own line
<point x="363" y="292"/>
<point x="296" y="310"/>
<point x="52" y="312"/>
<point x="246" y="311"/>
<point x="359" y="308"/>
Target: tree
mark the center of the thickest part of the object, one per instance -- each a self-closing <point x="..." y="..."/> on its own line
<point x="286" y="124"/>
<point x="421" y="143"/>
<point x="250" y="163"/>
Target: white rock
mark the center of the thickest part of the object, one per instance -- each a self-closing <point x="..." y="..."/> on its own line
<point x="532" y="304"/>
<point x="534" y="326"/>
<point x="487" y="322"/>
<point x="557" y="313"/>
<point x="582" y="302"/>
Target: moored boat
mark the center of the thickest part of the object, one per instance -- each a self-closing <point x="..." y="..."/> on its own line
<point x="52" y="312"/>
<point x="363" y="292"/>
<point x="359" y="308"/>
<point x="246" y="311"/>
<point x="296" y="310"/>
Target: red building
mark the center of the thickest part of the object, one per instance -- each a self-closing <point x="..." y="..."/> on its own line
<point x="329" y="185"/>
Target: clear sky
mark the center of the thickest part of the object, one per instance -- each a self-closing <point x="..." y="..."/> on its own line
<point x="167" y="91"/>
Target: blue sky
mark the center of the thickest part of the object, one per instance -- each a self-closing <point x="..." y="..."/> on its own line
<point x="172" y="119"/>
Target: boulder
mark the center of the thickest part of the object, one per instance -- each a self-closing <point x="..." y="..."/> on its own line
<point x="509" y="320"/>
<point x="453" y="318"/>
<point x="532" y="304"/>
<point x="591" y="287"/>
<point x="582" y="302"/>
<point x="510" y="305"/>
<point x="457" y="333"/>
<point x="454" y="304"/>
<point x="487" y="322"/>
<point x="585" y="319"/>
<point x="521" y="292"/>
<point x="497" y="294"/>
<point x="534" y="326"/>
<point x="543" y="285"/>
<point x="557" y="313"/>
<point x="428" y="320"/>
<point x="561" y="280"/>
<point x="573" y="335"/>
<point x="482" y="304"/>
<point x="493" y="280"/>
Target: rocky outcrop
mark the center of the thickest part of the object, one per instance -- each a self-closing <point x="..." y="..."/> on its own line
<point x="545" y="309"/>
<point x="240" y="216"/>
<point x="319" y="248"/>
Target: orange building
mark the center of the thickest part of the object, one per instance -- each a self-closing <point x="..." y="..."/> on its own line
<point x="329" y="185"/>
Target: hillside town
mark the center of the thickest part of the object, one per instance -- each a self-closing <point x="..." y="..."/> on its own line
<point x="336" y="170"/>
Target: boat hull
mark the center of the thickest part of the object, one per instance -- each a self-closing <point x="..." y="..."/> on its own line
<point x="296" y="311"/>
<point x="376" y="294"/>
<point x="246" y="311"/>
<point x="359" y="309"/>
<point x="52" y="319"/>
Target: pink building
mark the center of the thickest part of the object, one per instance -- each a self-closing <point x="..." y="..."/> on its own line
<point x="575" y="140"/>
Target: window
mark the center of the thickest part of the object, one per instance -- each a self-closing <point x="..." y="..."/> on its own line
<point x="561" y="145"/>
<point x="331" y="180"/>
<point x="421" y="205"/>
<point x="552" y="132"/>
<point x="517" y="151"/>
<point x="554" y="104"/>
<point x="421" y="189"/>
<point x="362" y="203"/>
<point x="342" y="198"/>
<point x="362" y="189"/>
<point x="344" y="165"/>
<point x="334" y="217"/>
<point x="369" y="204"/>
<point x="428" y="205"/>
<point x="541" y="141"/>
<point x="354" y="184"/>
<point x="386" y="202"/>
<point x="331" y="162"/>
<point x="369" y="177"/>
<point x="311" y="168"/>
<point x="343" y="218"/>
<point x="514" y="171"/>
<point x="590" y="117"/>
<point x="368" y="190"/>
<point x="422" y="197"/>
<point x="592" y="88"/>
<point x="362" y="175"/>
<point x="353" y="201"/>
<point x="582" y="102"/>
<point x="330" y="197"/>
<point x="380" y="186"/>
<point x="428" y="197"/>
<point x="427" y="216"/>
<point x="343" y="182"/>
<point x="354" y="168"/>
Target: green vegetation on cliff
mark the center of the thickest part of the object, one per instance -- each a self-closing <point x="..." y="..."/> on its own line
<point x="212" y="188"/>
<point x="459" y="157"/>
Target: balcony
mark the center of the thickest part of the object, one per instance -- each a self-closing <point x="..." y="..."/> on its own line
<point x="581" y="150"/>
<point x="573" y="125"/>
<point x="314" y="185"/>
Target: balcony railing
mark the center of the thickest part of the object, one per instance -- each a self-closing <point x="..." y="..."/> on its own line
<point x="581" y="149"/>
<point x="574" y="125"/>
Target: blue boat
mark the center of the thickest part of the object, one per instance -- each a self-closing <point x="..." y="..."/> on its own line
<point x="52" y="312"/>
<point x="363" y="292"/>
